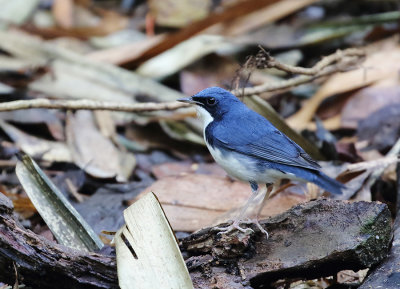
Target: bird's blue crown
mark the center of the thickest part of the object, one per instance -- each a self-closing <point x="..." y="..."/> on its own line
<point x="217" y="101"/>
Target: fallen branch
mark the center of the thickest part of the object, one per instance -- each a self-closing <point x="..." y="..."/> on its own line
<point x="89" y="105"/>
<point x="311" y="240"/>
<point x="45" y="264"/>
<point x="341" y="60"/>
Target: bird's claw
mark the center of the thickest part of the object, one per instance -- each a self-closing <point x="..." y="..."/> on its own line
<point x="255" y="222"/>
<point x="235" y="226"/>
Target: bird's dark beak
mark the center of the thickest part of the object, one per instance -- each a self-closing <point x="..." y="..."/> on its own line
<point x="187" y="100"/>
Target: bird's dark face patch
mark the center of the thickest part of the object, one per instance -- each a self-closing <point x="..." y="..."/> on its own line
<point x="205" y="101"/>
<point x="209" y="103"/>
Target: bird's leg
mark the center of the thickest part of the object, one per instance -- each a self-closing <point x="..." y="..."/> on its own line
<point x="271" y="189"/>
<point x="252" y="201"/>
<point x="236" y="223"/>
<point x="264" y="195"/>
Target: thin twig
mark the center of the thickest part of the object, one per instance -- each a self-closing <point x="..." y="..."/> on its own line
<point x="338" y="61"/>
<point x="89" y="105"/>
<point x="394" y="151"/>
<point x="339" y="55"/>
<point x="341" y="60"/>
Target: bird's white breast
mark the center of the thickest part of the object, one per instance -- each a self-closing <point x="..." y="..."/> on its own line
<point x="232" y="165"/>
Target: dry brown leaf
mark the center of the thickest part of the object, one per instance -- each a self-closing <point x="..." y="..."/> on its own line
<point x="178" y="13"/>
<point x="63" y="13"/>
<point x="125" y="53"/>
<point x="105" y="123"/>
<point x="37" y="148"/>
<point x="117" y="79"/>
<point x="69" y="80"/>
<point x="183" y="54"/>
<point x="234" y="20"/>
<point x="86" y="77"/>
<point x="381" y="129"/>
<point x="37" y="116"/>
<point x="380" y="64"/>
<point x="187" y="219"/>
<point x="366" y="101"/>
<point x="91" y="151"/>
<point x="212" y="70"/>
<point x="22" y="204"/>
<point x="260" y="17"/>
<point x="111" y="22"/>
<point x="201" y="191"/>
<point x="181" y="168"/>
<point x="230" y="13"/>
<point x="195" y="201"/>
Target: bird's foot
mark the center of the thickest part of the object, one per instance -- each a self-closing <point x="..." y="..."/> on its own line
<point x="234" y="226"/>
<point x="255" y="222"/>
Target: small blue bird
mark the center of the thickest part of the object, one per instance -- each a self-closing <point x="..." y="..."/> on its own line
<point x="251" y="149"/>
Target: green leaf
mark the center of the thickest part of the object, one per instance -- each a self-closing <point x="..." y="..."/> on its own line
<point x="67" y="225"/>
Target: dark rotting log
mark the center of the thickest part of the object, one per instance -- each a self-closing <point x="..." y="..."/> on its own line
<point x="311" y="240"/>
<point x="45" y="264"/>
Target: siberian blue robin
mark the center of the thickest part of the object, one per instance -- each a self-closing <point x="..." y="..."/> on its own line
<point x="251" y="149"/>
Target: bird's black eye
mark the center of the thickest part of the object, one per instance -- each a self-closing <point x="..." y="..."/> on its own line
<point x="211" y="101"/>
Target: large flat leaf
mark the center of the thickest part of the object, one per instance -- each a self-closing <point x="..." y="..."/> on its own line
<point x="148" y="255"/>
<point x="91" y="150"/>
<point x="69" y="228"/>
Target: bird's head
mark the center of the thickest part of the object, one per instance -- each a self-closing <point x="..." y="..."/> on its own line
<point x="212" y="103"/>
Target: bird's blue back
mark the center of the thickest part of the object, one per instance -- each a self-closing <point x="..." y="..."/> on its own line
<point x="245" y="131"/>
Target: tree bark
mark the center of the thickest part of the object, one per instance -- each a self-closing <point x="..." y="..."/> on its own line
<point x="311" y="240"/>
<point x="44" y="264"/>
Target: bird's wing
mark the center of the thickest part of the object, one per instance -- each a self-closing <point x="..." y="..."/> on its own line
<point x="260" y="139"/>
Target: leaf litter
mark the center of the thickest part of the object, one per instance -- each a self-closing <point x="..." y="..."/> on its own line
<point x="62" y="51"/>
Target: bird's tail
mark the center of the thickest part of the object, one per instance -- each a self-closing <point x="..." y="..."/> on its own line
<point x="327" y="183"/>
<point x="316" y="177"/>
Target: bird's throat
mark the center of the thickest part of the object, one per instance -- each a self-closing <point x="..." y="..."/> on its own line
<point x="205" y="117"/>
